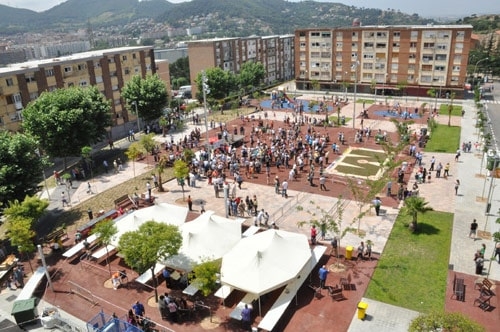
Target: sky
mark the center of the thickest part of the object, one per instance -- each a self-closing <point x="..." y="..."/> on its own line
<point x="425" y="8"/>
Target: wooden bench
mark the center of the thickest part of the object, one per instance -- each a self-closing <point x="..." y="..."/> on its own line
<point x="336" y="293"/>
<point x="58" y="233"/>
<point x="483" y="301"/>
<point x="480" y="283"/>
<point x="122" y="200"/>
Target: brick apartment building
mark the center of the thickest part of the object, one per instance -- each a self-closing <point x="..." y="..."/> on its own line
<point x="109" y="70"/>
<point x="276" y="53"/>
<point x="401" y="59"/>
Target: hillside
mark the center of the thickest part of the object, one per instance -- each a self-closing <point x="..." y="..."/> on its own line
<point x="242" y="17"/>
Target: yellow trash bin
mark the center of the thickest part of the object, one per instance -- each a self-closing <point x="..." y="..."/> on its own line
<point x="348" y="252"/>
<point x="362" y="310"/>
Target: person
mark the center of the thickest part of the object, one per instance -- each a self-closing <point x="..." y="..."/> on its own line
<point x="190" y="203"/>
<point x="277" y="185"/>
<point x="172" y="309"/>
<point x="64" y="201"/>
<point x="19" y="277"/>
<point x="473" y="229"/>
<point x="89" y="188"/>
<point x="148" y="187"/>
<point x="482" y="251"/>
<point x="457" y="185"/>
<point x="86" y="245"/>
<point x="139" y="310"/>
<point x="166" y="276"/>
<point x="446" y="170"/>
<point x="361" y="250"/>
<point x="131" y="318"/>
<point x="377" y="203"/>
<point x="335" y="244"/>
<point x="90" y="213"/>
<point x="246" y="317"/>
<point x="155" y="180"/>
<point x="115" y="279"/>
<point x="78" y="236"/>
<point x="368" y="250"/>
<point x="314" y="234"/>
<point x="106" y="166"/>
<point x="497" y="252"/>
<point x="162" y="306"/>
<point x="322" y="181"/>
<point x="323" y="273"/>
<point x="479" y="265"/>
<point x="284" y="189"/>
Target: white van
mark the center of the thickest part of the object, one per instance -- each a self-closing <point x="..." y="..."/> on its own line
<point x="184" y="92"/>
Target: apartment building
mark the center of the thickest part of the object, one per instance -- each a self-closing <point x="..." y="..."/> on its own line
<point x="276" y="53"/>
<point x="399" y="59"/>
<point x="109" y="70"/>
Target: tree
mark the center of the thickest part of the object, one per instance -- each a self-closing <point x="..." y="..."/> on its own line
<point x="206" y="276"/>
<point x="152" y="242"/>
<point x="65" y="120"/>
<point x="414" y="205"/>
<point x="160" y="167"/>
<point x="87" y="158"/>
<point x="219" y="81"/>
<point x="31" y="208"/>
<point x="181" y="171"/>
<point x="134" y="151"/>
<point x="21" y="236"/>
<point x="105" y="231"/>
<point x="179" y="72"/>
<point x="364" y="194"/>
<point x="444" y="321"/>
<point x="315" y="85"/>
<point x="20" y="166"/>
<point x="163" y="122"/>
<point x="251" y="74"/>
<point x="149" y="95"/>
<point x="148" y="143"/>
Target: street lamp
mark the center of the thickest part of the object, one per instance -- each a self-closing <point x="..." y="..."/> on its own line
<point x="355" y="67"/>
<point x="206" y="90"/>
<point x="475" y="70"/>
<point x="137" y="114"/>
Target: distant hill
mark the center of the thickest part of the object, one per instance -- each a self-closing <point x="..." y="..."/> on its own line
<point x="232" y="17"/>
<point x="482" y="23"/>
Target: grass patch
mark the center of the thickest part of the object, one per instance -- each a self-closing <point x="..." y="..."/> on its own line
<point x="366" y="101"/>
<point x="369" y="153"/>
<point x="334" y="119"/>
<point x="456" y="111"/>
<point x="361" y="170"/>
<point x="412" y="270"/>
<point x="444" y="139"/>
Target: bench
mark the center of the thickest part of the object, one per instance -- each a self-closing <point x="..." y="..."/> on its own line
<point x="480" y="283"/>
<point x="32" y="284"/>
<point x="483" y="301"/>
<point x="458" y="289"/>
<point x="54" y="235"/>
<point x="101" y="253"/>
<point x="336" y="293"/>
<point x="79" y="247"/>
<point x="122" y="200"/>
<point x="146" y="276"/>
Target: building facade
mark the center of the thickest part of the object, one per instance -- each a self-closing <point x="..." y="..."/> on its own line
<point x="384" y="59"/>
<point x="109" y="70"/>
<point x="276" y="53"/>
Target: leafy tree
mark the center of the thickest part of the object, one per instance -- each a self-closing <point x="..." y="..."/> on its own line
<point x="163" y="122"/>
<point x="251" y="74"/>
<point x="105" y="231"/>
<point x="87" y="158"/>
<point x="179" y="72"/>
<point x="444" y="321"/>
<point x="365" y="193"/>
<point x="31" y="208"/>
<point x="450" y="108"/>
<point x="181" y="171"/>
<point x="205" y="276"/>
<point x="152" y="242"/>
<point x="414" y="205"/>
<point x="149" y="94"/>
<point x="160" y="167"/>
<point x="20" y="167"/>
<point x="315" y="84"/>
<point x="219" y="81"/>
<point x="134" y="151"/>
<point x="65" y="120"/>
<point x="21" y="236"/>
<point x="148" y="143"/>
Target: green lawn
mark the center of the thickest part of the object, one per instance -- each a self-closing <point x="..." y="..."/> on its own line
<point x="366" y="101"/>
<point x="362" y="170"/>
<point x="412" y="270"/>
<point x="457" y="110"/>
<point x="333" y="119"/>
<point x="444" y="139"/>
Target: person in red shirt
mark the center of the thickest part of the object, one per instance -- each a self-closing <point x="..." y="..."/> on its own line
<point x="314" y="233"/>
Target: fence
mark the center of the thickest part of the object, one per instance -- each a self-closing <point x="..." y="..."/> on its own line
<point x="82" y="292"/>
<point x="285" y="208"/>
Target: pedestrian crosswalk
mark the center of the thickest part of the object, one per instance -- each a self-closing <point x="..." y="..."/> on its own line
<point x="490" y="101"/>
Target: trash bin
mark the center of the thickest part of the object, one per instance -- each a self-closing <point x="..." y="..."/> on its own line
<point x="25" y="311"/>
<point x="348" y="252"/>
<point x="362" y="310"/>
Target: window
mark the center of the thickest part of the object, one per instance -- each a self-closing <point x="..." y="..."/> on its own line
<point x="368" y="65"/>
<point x="339" y="34"/>
<point x="326" y="35"/>
<point x="111" y="60"/>
<point x="114" y="87"/>
<point x="68" y="69"/>
<point x="441" y="57"/>
<point x="137" y="70"/>
<point x="117" y="101"/>
<point x="368" y="45"/>
<point x="315" y="34"/>
<point x="459" y="46"/>
<point x="414" y="34"/>
<point x="315" y="44"/>
<point x="395" y="44"/>
<point x="456" y="68"/>
<point x="98" y="79"/>
<point x="134" y="56"/>
<point x="9" y="82"/>
<point x="380" y="66"/>
<point x="355" y="35"/>
<point x="97" y="64"/>
<point x="457" y="58"/>
<point x="302" y="44"/>
<point x="381" y="34"/>
<point x="428" y="45"/>
<point x="396" y="34"/>
<point x="354" y="55"/>
<point x="112" y="73"/>
<point x="127" y="71"/>
<point x="443" y="34"/>
<point x="442" y="46"/>
<point x="49" y="72"/>
<point x="369" y="34"/>
<point x="411" y="66"/>
<point x="381" y="45"/>
<point x="460" y="34"/>
<point x="30" y="78"/>
<point x="412" y="56"/>
<point x="427" y="57"/>
<point x="368" y="56"/>
<point x="413" y="44"/>
<point x="33" y="95"/>
<point x="339" y="44"/>
<point x="439" y="68"/>
<point x="124" y="57"/>
<point x="83" y="83"/>
<point x="354" y="45"/>
<point x="82" y="66"/>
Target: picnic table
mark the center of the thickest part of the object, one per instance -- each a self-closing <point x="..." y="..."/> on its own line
<point x="79" y="246"/>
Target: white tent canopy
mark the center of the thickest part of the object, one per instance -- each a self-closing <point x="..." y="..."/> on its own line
<point x="163" y="213"/>
<point x="266" y="261"/>
<point x="208" y="237"/>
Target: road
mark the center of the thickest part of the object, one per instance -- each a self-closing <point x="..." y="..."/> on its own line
<point x="492" y="105"/>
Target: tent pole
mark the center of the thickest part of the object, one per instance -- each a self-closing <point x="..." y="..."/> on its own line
<point x="260" y="312"/>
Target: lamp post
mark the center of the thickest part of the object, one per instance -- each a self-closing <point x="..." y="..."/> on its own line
<point x="206" y="90"/>
<point x="137" y="114"/>
<point x="355" y="67"/>
<point x="38" y="153"/>
<point x="475" y="69"/>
